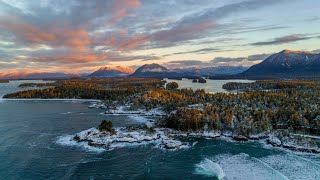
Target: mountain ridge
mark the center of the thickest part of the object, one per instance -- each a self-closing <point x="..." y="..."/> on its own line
<point x="111" y="72"/>
<point x="287" y="64"/>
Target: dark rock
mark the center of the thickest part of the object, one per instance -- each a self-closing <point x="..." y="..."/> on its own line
<point x="240" y="138"/>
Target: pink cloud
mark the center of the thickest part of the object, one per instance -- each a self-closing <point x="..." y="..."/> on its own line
<point x="75" y="57"/>
<point x="26" y="33"/>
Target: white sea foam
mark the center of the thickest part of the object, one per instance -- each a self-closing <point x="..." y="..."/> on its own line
<point x="274" y="170"/>
<point x="142" y="119"/>
<point x="308" y="160"/>
<point x="244" y="167"/>
<point x="210" y="169"/>
<point x="294" y="167"/>
<point x="68" y="140"/>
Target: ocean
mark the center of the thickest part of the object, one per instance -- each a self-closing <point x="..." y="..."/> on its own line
<point x="31" y="132"/>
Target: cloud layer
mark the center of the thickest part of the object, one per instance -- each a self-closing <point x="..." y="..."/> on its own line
<point x="83" y="35"/>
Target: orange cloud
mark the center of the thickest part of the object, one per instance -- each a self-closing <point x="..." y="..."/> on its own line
<point x="133" y="43"/>
<point x="122" y="41"/>
<point x="25" y="31"/>
<point x="74" y="58"/>
<point x="77" y="39"/>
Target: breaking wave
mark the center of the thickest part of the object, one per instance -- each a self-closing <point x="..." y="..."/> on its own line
<point x="67" y="140"/>
<point x="210" y="169"/>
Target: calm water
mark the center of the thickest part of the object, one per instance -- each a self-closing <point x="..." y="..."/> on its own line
<point x="212" y="86"/>
<point x="29" y="131"/>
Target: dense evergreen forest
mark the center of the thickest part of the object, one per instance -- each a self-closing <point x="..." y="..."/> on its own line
<point x="262" y="106"/>
<point x="103" y="89"/>
<point x="270" y="84"/>
<point x="293" y="105"/>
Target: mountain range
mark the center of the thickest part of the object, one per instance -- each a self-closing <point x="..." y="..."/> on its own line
<point x="287" y="64"/>
<point x="37" y="75"/>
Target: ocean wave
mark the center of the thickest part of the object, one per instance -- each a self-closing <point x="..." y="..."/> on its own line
<point x="294" y="167"/>
<point x="68" y="140"/>
<point x="210" y="169"/>
<point x="241" y="167"/>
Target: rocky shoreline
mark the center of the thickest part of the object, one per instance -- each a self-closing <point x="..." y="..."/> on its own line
<point x="125" y="110"/>
<point x="166" y="139"/>
<point x="129" y="136"/>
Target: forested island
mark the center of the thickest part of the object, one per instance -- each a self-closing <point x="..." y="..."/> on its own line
<point x="282" y="113"/>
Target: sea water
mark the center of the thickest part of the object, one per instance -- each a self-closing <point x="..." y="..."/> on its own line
<point x="30" y="148"/>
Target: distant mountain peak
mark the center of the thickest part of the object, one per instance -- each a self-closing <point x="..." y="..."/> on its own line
<point x="152" y="68"/>
<point x="111" y="72"/>
<point x="287" y="64"/>
<point x="117" y="68"/>
<point x="36" y="75"/>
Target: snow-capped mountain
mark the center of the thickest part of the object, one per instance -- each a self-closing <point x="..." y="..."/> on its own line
<point x="154" y="71"/>
<point x="287" y="64"/>
<point x="111" y="72"/>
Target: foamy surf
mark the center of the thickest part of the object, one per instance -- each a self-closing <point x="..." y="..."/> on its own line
<point x="210" y="169"/>
<point x="68" y="140"/>
<point x="243" y="167"/>
<point x="294" y="167"/>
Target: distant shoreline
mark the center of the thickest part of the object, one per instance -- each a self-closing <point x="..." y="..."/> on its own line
<point x="25" y="99"/>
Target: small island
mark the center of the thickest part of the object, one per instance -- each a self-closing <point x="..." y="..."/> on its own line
<point x="199" y="80"/>
<point x="39" y="85"/>
<point x="202" y="80"/>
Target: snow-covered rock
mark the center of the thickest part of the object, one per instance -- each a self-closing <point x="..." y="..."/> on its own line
<point x="98" y="105"/>
<point x="172" y="144"/>
<point x="275" y="141"/>
<point x="211" y="134"/>
<point x="293" y="142"/>
<point x="124" y="137"/>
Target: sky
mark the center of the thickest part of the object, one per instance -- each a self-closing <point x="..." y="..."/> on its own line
<point x="78" y="36"/>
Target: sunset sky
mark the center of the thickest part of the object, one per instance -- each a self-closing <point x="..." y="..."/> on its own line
<point x="79" y="36"/>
